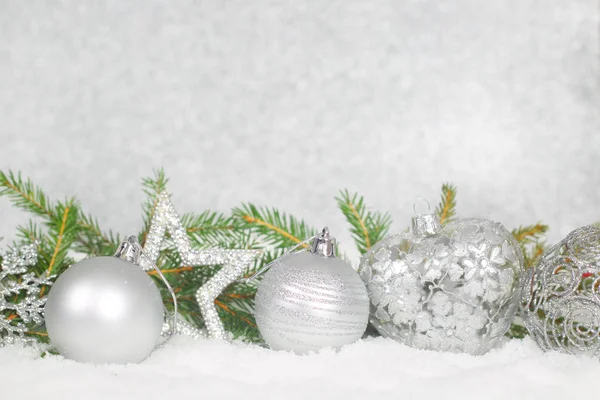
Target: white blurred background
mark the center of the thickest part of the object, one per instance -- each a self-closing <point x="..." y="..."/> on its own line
<point x="285" y="103"/>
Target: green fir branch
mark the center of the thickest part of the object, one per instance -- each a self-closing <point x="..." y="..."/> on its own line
<point x="152" y="187"/>
<point x="92" y="240"/>
<point x="30" y="233"/>
<point x="533" y="255"/>
<point x="531" y="241"/>
<point x="240" y="323"/>
<point x="210" y="227"/>
<point x="274" y="228"/>
<point x="446" y="209"/>
<point x="59" y="219"/>
<point x="31" y="198"/>
<point x="62" y="233"/>
<point x="367" y="227"/>
<point x="25" y="195"/>
<point x="529" y="233"/>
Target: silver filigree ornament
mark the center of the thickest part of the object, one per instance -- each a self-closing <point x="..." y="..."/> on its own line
<point x="561" y="296"/>
<point x="234" y="264"/>
<point x="17" y="283"/>
<point x="454" y="288"/>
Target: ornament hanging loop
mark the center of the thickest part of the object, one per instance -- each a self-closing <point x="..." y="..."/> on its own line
<point x="425" y="224"/>
<point x="421" y="200"/>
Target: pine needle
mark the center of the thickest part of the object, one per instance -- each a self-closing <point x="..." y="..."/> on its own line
<point x="273" y="227"/>
<point x="367" y="227"/>
<point x="531" y="240"/>
<point x="25" y="195"/>
<point x="59" y="239"/>
<point x="446" y="210"/>
<point x="209" y="227"/>
<point x="530" y="233"/>
<point x="152" y="187"/>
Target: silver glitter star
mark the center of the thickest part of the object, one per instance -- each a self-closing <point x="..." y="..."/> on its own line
<point x="14" y="281"/>
<point x="234" y="263"/>
<point x="182" y="328"/>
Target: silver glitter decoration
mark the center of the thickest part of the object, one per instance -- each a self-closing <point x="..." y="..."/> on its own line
<point x="309" y="300"/>
<point x="449" y="289"/>
<point x="183" y="328"/>
<point x="14" y="281"/>
<point x="234" y="262"/>
<point x="561" y="296"/>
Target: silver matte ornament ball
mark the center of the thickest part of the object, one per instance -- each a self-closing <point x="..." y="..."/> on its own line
<point x="310" y="300"/>
<point x="104" y="310"/>
<point x="449" y="289"/>
<point x="561" y="296"/>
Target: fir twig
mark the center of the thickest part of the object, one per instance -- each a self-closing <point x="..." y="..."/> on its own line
<point x="274" y="228"/>
<point x="530" y="238"/>
<point x="25" y="194"/>
<point x="31" y="198"/>
<point x="62" y="233"/>
<point x="530" y="233"/>
<point x="446" y="210"/>
<point x="92" y="240"/>
<point x="367" y="227"/>
<point x="209" y="227"/>
<point x="152" y="188"/>
<point x="59" y="239"/>
<point x="532" y="256"/>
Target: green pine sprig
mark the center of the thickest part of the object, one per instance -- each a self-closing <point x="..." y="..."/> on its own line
<point x="152" y="187"/>
<point x="25" y="195"/>
<point x="367" y="227"/>
<point x="60" y="221"/>
<point x="446" y="209"/>
<point x="531" y="240"/>
<point x="92" y="240"/>
<point x="274" y="228"/>
<point x="211" y="228"/>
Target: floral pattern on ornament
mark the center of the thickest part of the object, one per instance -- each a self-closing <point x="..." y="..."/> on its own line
<point x="455" y="291"/>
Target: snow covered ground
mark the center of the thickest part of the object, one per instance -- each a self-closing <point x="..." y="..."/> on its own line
<point x="284" y="103"/>
<point x="374" y="369"/>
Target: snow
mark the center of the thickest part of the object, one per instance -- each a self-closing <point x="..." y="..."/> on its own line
<point x="371" y="369"/>
<point x="283" y="104"/>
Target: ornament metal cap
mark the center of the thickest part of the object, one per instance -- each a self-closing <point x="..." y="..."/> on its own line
<point x="130" y="250"/>
<point x="324" y="245"/>
<point x="425" y="224"/>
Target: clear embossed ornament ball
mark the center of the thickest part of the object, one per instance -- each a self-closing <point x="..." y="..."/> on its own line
<point x="561" y="296"/>
<point x="311" y="299"/>
<point x="454" y="288"/>
<point x="104" y="310"/>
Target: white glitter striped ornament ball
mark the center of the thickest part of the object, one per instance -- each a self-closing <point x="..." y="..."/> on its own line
<point x="310" y="300"/>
